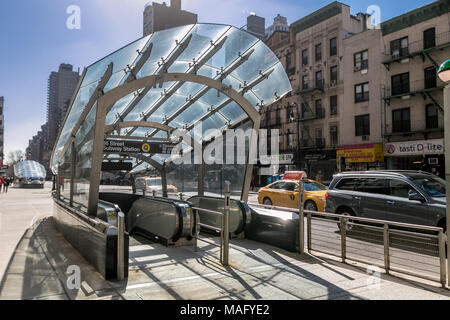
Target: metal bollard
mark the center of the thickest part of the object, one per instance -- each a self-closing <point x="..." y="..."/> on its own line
<point x="154" y="193"/>
<point x="181" y="196"/>
<point x="343" y="239"/>
<point x="309" y="234"/>
<point x="120" y="246"/>
<point x="301" y="217"/>
<point x="442" y="259"/>
<point x="387" y="260"/>
<point x="226" y="224"/>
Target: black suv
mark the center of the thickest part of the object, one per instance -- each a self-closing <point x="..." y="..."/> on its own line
<point x="413" y="197"/>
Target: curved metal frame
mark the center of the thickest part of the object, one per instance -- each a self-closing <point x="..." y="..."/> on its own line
<point x="106" y="101"/>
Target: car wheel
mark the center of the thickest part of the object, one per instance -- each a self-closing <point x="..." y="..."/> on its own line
<point x="267" y="202"/>
<point x="349" y="213"/>
<point x="310" y="206"/>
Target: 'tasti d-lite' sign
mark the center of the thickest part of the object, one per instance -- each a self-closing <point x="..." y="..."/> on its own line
<point x="134" y="147"/>
<point x="420" y="147"/>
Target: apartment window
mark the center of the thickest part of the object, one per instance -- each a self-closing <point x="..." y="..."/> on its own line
<point x="290" y="113"/>
<point x="278" y="116"/>
<point x="267" y="118"/>
<point x="429" y="38"/>
<point x="333" y="75"/>
<point x="430" y="78"/>
<point x="305" y="57"/>
<point x="361" y="60"/>
<point x="319" y="79"/>
<point x="319" y="111"/>
<point x="334" y="135"/>
<point x="333" y="47"/>
<point x="400" y="84"/>
<point x="362" y="125"/>
<point x="305" y="109"/>
<point x="362" y="92"/>
<point x="432" y="116"/>
<point x="401" y="121"/>
<point x="305" y="80"/>
<point x="399" y="47"/>
<point x="290" y="140"/>
<point x="319" y="137"/>
<point x="333" y="105"/>
<point x="288" y="61"/>
<point x="318" y="52"/>
<point x="305" y="133"/>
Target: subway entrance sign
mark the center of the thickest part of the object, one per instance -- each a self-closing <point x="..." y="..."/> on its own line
<point x="137" y="147"/>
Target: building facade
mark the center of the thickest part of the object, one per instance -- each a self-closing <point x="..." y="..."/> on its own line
<point x="61" y="88"/>
<point x="256" y="26"/>
<point x="2" y="131"/>
<point x="160" y="17"/>
<point x="415" y="44"/>
<point x="279" y="24"/>
<point x="327" y="88"/>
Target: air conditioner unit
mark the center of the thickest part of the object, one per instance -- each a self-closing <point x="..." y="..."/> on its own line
<point x="433" y="161"/>
<point x="365" y="138"/>
<point x="333" y="83"/>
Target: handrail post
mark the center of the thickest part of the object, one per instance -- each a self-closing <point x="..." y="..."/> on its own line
<point x="301" y="217"/>
<point x="309" y="234"/>
<point x="181" y="196"/>
<point x="120" y="246"/>
<point x="226" y="224"/>
<point x="387" y="262"/>
<point x="343" y="239"/>
<point x="442" y="259"/>
<point x="197" y="230"/>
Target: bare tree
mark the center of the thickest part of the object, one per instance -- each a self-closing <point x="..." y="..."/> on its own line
<point x="14" y="157"/>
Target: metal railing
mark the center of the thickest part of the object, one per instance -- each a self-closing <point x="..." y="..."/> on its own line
<point x="224" y="243"/>
<point x="410" y="249"/>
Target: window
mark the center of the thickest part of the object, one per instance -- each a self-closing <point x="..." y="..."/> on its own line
<point x="361" y="60"/>
<point x="430" y="78"/>
<point x="400" y="84"/>
<point x="319" y="137"/>
<point x="429" y="38"/>
<point x="401" y="120"/>
<point x="278" y="116"/>
<point x="267" y="118"/>
<point x="288" y="61"/>
<point x="319" y="79"/>
<point x="305" y="82"/>
<point x="362" y="92"/>
<point x="399" y="47"/>
<point x="305" y="109"/>
<point x="290" y="140"/>
<point x="319" y="111"/>
<point x="374" y="185"/>
<point x="305" y="57"/>
<point x="346" y="184"/>
<point x="318" y="52"/>
<point x="278" y="186"/>
<point x="401" y="189"/>
<point x="432" y="116"/>
<point x="290" y="113"/>
<point x="334" y="135"/>
<point x="333" y="105"/>
<point x="362" y="125"/>
<point x="333" y="47"/>
<point x="333" y="75"/>
<point x="290" y="186"/>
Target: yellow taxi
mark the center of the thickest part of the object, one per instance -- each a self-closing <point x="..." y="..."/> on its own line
<point x="284" y="193"/>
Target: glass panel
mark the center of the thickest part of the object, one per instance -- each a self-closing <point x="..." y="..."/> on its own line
<point x="233" y="112"/>
<point x="84" y="141"/>
<point x="118" y="108"/>
<point x="146" y="102"/>
<point x="277" y="82"/>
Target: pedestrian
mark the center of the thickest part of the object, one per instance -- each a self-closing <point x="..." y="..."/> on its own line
<point x="6" y="185"/>
<point x="2" y="180"/>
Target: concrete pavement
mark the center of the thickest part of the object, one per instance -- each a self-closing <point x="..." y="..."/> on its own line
<point x="35" y="261"/>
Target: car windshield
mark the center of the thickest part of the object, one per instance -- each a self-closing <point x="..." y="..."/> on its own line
<point x="432" y="186"/>
<point x="314" y="186"/>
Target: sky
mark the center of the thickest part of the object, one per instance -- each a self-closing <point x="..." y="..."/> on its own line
<point x="34" y="41"/>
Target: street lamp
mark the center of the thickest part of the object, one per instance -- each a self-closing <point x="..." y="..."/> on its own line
<point x="444" y="75"/>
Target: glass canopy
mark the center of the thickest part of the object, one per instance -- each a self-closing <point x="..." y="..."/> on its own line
<point x="220" y="52"/>
<point x="29" y="169"/>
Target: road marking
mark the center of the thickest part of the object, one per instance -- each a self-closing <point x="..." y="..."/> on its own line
<point x="209" y="275"/>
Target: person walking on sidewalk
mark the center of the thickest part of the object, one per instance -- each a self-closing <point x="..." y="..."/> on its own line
<point x="2" y="180"/>
<point x="6" y="184"/>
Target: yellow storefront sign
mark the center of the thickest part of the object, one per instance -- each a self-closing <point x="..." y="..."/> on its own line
<point x="364" y="153"/>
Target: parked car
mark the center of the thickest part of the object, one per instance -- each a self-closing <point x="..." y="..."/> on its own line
<point x="284" y="193"/>
<point x="153" y="183"/>
<point x="413" y="197"/>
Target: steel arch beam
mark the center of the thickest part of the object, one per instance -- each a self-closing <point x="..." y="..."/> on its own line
<point x="144" y="124"/>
